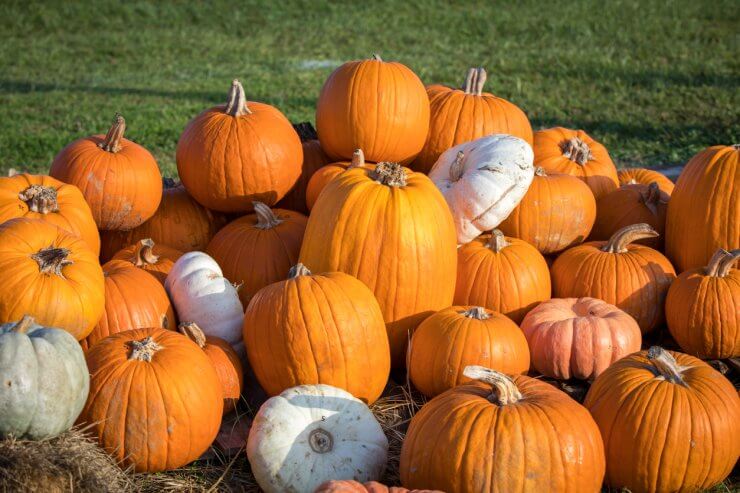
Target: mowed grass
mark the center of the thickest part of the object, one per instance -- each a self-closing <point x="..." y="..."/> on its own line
<point x="655" y="81"/>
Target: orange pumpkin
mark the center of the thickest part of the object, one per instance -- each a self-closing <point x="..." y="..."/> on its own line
<point x="119" y="179"/>
<point x="632" y="204"/>
<point x="230" y="156"/>
<point x="359" y="108"/>
<point x="325" y="174"/>
<point x="317" y="329"/>
<point x="155" y="399"/>
<point x="225" y="361"/>
<point x="644" y="176"/>
<point x="459" y="336"/>
<point x="635" y="278"/>
<point x="259" y="249"/>
<point x="704" y="211"/>
<point x="703" y="308"/>
<point x="153" y="258"/>
<point x="392" y="229"/>
<point x="51" y="275"/>
<point x="314" y="158"/>
<point x="556" y="213"/>
<point x="133" y="300"/>
<point x="462" y="115"/>
<point x="351" y="486"/>
<point x="507" y="434"/>
<point x="574" y="152"/>
<point x="670" y="422"/>
<point x="506" y="275"/>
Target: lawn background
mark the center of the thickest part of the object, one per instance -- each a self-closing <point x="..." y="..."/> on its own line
<point x="655" y="81"/>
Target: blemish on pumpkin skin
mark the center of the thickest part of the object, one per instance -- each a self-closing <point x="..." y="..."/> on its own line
<point x="98" y="184"/>
<point x="170" y="428"/>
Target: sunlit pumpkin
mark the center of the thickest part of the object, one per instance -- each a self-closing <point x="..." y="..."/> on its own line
<point x="325" y="174"/>
<point x="644" y="176"/>
<point x="154" y="258"/>
<point x="314" y="158"/>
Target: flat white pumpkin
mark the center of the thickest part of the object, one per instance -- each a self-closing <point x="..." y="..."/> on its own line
<point x="201" y="294"/>
<point x="314" y="433"/>
<point x="483" y="181"/>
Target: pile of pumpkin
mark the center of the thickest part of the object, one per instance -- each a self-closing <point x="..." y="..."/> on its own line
<point x="444" y="236"/>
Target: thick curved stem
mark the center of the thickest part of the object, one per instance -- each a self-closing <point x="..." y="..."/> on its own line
<point x="391" y="174"/>
<point x="306" y="131"/>
<point x="480" y="81"/>
<point x="651" y="197"/>
<point x="144" y="253"/>
<point x="52" y="260"/>
<point x="298" y="270"/>
<point x="266" y="219"/>
<point x="358" y="159"/>
<point x="498" y="241"/>
<point x="476" y="312"/>
<point x="629" y="234"/>
<point x="468" y="85"/>
<point x="722" y="262"/>
<point x="236" y="102"/>
<point x="665" y="365"/>
<point x="23" y="324"/>
<point x="112" y="141"/>
<point x="576" y="150"/>
<point x="457" y="167"/>
<point x="40" y="199"/>
<point x="144" y="349"/>
<point x="505" y="391"/>
<point x="193" y="332"/>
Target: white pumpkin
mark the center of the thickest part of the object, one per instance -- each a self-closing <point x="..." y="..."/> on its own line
<point x="202" y="294"/>
<point x="483" y="181"/>
<point x="314" y="433"/>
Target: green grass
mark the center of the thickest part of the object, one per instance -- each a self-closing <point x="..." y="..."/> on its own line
<point x="655" y="81"/>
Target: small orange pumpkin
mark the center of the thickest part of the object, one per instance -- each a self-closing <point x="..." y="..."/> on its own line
<point x="154" y="258"/>
<point x="350" y="486"/>
<point x="325" y="174"/>
<point x="644" y="176"/>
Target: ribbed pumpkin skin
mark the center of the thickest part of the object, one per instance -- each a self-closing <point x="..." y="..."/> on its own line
<point x="153" y="415"/>
<point x="462" y="442"/>
<point x="630" y="176"/>
<point x="704" y="211"/>
<point x="314" y="158"/>
<point x="72" y="301"/>
<point x="599" y="173"/>
<point x="73" y="214"/>
<point x="557" y="212"/>
<point x="359" y="108"/>
<point x="660" y="436"/>
<point x="159" y="269"/>
<point x="318" y="329"/>
<point x="448" y="341"/>
<point x="321" y="178"/>
<point x="399" y="241"/>
<point x="511" y="282"/>
<point x="229" y="369"/>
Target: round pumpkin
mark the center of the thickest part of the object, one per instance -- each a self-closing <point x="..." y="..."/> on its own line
<point x="390" y="228"/>
<point x="314" y="158"/>
<point x="633" y="277"/>
<point x="155" y="399"/>
<point x="230" y="156"/>
<point x="47" y="199"/>
<point x="317" y="329"/>
<point x="119" y="179"/>
<point x="359" y="108"/>
<point x="259" y="249"/>
<point x="506" y="434"/>
<point x="51" y="275"/>
<point x="704" y="211"/>
<point x="644" y="176"/>
<point x="226" y="362"/>
<point x="155" y="259"/>
<point x="43" y="380"/>
<point x="325" y="174"/>
<point x="670" y="422"/>
<point x="557" y="212"/>
<point x="313" y="433"/>
<point x="632" y="204"/>
<point x="578" y="337"/>
<point x="459" y="336"/>
<point x="462" y="115"/>
<point x="351" y="486"/>
<point x="506" y="275"/>
<point x="574" y="152"/>
<point x="703" y="308"/>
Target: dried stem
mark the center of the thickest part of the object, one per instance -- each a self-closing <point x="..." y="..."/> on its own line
<point x="498" y="241"/>
<point x="358" y="159"/>
<point x="236" y="103"/>
<point x="722" y="262"/>
<point x="298" y="270"/>
<point x="266" y="219"/>
<point x="457" y="167"/>
<point x="52" y="260"/>
<point x="193" y="332"/>
<point x="112" y="141"/>
<point x="24" y="324"/>
<point x="665" y="365"/>
<point x="144" y="253"/>
<point x="629" y="234"/>
<point x="391" y="174"/>
<point x="505" y="391"/>
<point x="576" y="150"/>
<point x="476" y="312"/>
<point x="144" y="349"/>
<point x="40" y="199"/>
<point x="651" y="197"/>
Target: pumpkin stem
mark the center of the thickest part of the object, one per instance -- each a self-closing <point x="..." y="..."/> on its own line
<point x="306" y="131"/>
<point x="40" y="199"/>
<point x="456" y="170"/>
<point x="665" y="365"/>
<point x="321" y="441"/>
<point x="498" y="241"/>
<point x="144" y="349"/>
<point x="629" y="234"/>
<point x="298" y="270"/>
<point x="540" y="171"/>
<point x="505" y="391"/>
<point x="236" y="102"/>
<point x="480" y="81"/>
<point x="112" y="142"/>
<point x="358" y="159"/>
<point x="476" y="312"/>
<point x="576" y="150"/>
<point x="266" y="219"/>
<point x="376" y="57"/>
<point x="144" y="253"/>
<point x="23" y="324"/>
<point x="169" y="183"/>
<point x="721" y="262"/>
<point x="469" y="80"/>
<point x="52" y="260"/>
<point x="391" y="174"/>
<point x="651" y="197"/>
<point x="193" y="332"/>
<point x="12" y="172"/>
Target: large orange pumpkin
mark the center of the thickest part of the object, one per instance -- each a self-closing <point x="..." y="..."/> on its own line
<point x="644" y="176"/>
<point x="392" y="229"/>
<point x="325" y="174"/>
<point x="318" y="329"/>
<point x="574" y="152"/>
<point x="360" y="107"/>
<point x="119" y="179"/>
<point x="506" y="275"/>
<point x="230" y="156"/>
<point x="462" y="115"/>
<point x="633" y="277"/>
<point x="704" y="211"/>
<point x="259" y="249"/>
<point x="670" y="422"/>
<point x="509" y="434"/>
<point x="459" y="336"/>
<point x="154" y="258"/>
<point x="155" y="399"/>
<point x="51" y="275"/>
<point x="314" y="158"/>
<point x="703" y="308"/>
<point x="557" y="212"/>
